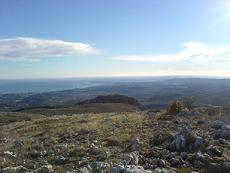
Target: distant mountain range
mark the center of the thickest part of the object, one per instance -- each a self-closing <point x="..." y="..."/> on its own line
<point x="155" y="94"/>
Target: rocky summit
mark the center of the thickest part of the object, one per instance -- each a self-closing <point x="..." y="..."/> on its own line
<point x="134" y="142"/>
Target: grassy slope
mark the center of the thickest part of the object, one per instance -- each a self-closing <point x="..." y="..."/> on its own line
<point x="40" y="141"/>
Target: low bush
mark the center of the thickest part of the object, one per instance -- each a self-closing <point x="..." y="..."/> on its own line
<point x="174" y="108"/>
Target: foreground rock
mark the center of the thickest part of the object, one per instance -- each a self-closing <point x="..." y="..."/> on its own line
<point x="129" y="169"/>
<point x="186" y="141"/>
<point x="131" y="158"/>
<point x="219" y="168"/>
<point x="16" y="169"/>
<point x="22" y="169"/>
<point x="164" y="170"/>
<point x="99" y="167"/>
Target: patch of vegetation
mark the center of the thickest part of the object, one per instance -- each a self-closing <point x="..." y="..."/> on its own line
<point x="174" y="108"/>
<point x="11" y="117"/>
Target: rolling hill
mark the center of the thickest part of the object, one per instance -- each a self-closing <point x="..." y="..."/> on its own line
<point x="151" y="94"/>
<point x="99" y="104"/>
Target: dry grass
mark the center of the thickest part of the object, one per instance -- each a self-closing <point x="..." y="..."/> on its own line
<point x="41" y="141"/>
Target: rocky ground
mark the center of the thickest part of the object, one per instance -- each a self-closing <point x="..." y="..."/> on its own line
<point x="137" y="142"/>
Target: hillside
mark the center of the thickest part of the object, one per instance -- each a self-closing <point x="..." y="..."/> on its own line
<point x="92" y="142"/>
<point x="99" y="104"/>
<point x="114" y="98"/>
<point x="79" y="109"/>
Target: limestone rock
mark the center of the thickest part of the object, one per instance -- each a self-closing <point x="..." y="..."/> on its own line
<point x="218" y="124"/>
<point x="163" y="170"/>
<point x="131" y="158"/>
<point x="178" y="143"/>
<point x="129" y="169"/>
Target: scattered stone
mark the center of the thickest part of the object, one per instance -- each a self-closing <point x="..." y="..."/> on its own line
<point x="135" y="169"/>
<point x="199" y="122"/>
<point x="85" y="170"/>
<point x="161" y="163"/>
<point x="2" y="159"/>
<point x="214" y="151"/>
<point x="178" y="143"/>
<point x="184" y="155"/>
<point x="18" y="144"/>
<point x="3" y="140"/>
<point x="176" y="163"/>
<point x="61" y="160"/>
<point x="218" y="124"/>
<point x="223" y="133"/>
<point x="131" y="158"/>
<point x="198" y="142"/>
<point x="17" y="169"/>
<point x="219" y="168"/>
<point x="92" y="167"/>
<point x="135" y="144"/>
<point x="72" y="171"/>
<point x="95" y="141"/>
<point x="117" y="169"/>
<point x="128" y="169"/>
<point x="176" y="122"/>
<point x="198" y="164"/>
<point x="44" y="169"/>
<point x="215" y="168"/>
<point x="199" y="156"/>
<point x="10" y="153"/>
<point x="223" y="141"/>
<point x="226" y="167"/>
<point x="164" y="170"/>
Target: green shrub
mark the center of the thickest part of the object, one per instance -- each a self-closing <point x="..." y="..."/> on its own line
<point x="174" y="108"/>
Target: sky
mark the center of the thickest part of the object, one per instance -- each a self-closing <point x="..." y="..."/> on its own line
<point x="91" y="38"/>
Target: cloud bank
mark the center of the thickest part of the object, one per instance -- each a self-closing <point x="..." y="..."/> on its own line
<point x="194" y="51"/>
<point x="33" y="49"/>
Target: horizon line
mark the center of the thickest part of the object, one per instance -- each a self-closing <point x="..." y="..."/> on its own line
<point x="123" y="76"/>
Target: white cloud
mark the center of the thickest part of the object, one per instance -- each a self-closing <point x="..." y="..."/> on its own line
<point x="33" y="49"/>
<point x="166" y="72"/>
<point x="194" y="51"/>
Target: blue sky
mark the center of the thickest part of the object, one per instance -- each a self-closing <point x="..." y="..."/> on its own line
<point x="78" y="38"/>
